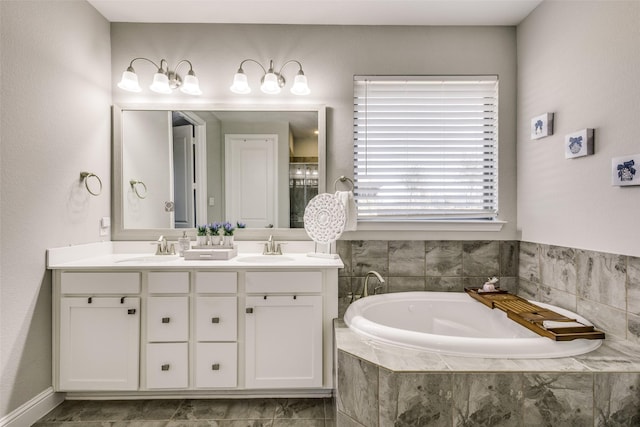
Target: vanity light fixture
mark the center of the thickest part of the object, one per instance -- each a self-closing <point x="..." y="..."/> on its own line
<point x="164" y="80"/>
<point x="271" y="81"/>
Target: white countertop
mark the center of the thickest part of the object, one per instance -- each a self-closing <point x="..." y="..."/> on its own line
<point x="141" y="255"/>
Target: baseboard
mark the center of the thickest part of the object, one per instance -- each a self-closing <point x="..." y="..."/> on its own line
<point x="31" y="411"/>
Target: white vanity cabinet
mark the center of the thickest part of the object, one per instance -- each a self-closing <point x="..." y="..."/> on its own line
<point x="283" y="335"/>
<point x="194" y="329"/>
<point x="98" y="323"/>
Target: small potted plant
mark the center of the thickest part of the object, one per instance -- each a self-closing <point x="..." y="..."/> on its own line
<point x="228" y="229"/>
<point x="201" y="238"/>
<point x="214" y="233"/>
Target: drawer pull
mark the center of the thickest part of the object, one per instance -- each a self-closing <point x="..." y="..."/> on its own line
<point x="89" y="300"/>
<point x="215" y="320"/>
<point x="122" y="300"/>
<point x="249" y="310"/>
<point x="165" y="367"/>
<point x="215" y="367"/>
<point x="166" y="319"/>
<point x="131" y="311"/>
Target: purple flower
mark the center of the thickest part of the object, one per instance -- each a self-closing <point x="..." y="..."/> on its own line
<point x="214" y="228"/>
<point x="228" y="228"/>
<point x="241" y="224"/>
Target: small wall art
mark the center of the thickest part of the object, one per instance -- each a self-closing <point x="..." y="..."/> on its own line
<point x="542" y="126"/>
<point x="578" y="144"/>
<point x="624" y="170"/>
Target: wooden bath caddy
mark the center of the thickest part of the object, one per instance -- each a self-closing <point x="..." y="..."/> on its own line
<point x="532" y="316"/>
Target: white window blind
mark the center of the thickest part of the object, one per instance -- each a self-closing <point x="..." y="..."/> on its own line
<point x="426" y="148"/>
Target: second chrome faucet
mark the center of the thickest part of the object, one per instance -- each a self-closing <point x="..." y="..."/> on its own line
<point x="271" y="247"/>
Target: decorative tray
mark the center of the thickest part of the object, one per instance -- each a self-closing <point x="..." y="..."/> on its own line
<point x="542" y="321"/>
<point x="210" y="254"/>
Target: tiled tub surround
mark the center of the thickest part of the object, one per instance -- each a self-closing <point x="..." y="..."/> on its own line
<point x="433" y="265"/>
<point x="603" y="287"/>
<point x="381" y="385"/>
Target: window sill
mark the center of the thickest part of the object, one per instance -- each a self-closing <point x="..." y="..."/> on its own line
<point x="489" y="226"/>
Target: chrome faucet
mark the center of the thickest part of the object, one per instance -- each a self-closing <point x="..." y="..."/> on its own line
<point x="164" y="248"/>
<point x="271" y="247"/>
<point x="365" y="290"/>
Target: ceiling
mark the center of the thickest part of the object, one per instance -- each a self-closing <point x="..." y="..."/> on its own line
<point x="319" y="12"/>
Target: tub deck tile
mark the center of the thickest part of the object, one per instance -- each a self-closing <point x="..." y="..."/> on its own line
<point x="612" y="356"/>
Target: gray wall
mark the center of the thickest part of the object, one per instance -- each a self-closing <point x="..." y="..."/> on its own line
<point x="331" y="55"/>
<point x="55" y="123"/>
<point x="581" y="60"/>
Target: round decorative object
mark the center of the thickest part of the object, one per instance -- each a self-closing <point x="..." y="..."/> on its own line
<point x="324" y="218"/>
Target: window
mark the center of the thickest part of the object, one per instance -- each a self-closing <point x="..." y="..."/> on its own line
<point x="426" y="148"/>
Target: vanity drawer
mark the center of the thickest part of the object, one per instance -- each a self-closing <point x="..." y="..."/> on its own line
<point x="283" y="282"/>
<point x="216" y="318"/>
<point x="100" y="283"/>
<point x="168" y="365"/>
<point x="174" y="282"/>
<point x="216" y="365"/>
<point x="167" y="319"/>
<point x="223" y="282"/>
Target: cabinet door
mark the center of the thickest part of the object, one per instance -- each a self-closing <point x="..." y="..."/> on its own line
<point x="216" y="365"/>
<point x="283" y="341"/>
<point x="99" y="343"/>
<point x="216" y="318"/>
<point x="167" y="319"/>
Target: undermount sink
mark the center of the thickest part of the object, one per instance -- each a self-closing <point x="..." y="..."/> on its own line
<point x="265" y="259"/>
<point x="149" y="259"/>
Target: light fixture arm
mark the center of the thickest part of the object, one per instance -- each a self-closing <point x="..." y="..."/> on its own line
<point x="183" y="61"/>
<point x="289" y="62"/>
<point x="240" y="70"/>
<point x="159" y="67"/>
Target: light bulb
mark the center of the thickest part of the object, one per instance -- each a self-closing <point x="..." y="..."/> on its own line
<point x="300" y="86"/>
<point x="240" y="84"/>
<point x="129" y="81"/>
<point x="190" y="85"/>
<point x="270" y="84"/>
<point x="160" y="83"/>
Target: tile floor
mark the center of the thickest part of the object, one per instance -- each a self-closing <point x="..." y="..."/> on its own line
<point x="192" y="413"/>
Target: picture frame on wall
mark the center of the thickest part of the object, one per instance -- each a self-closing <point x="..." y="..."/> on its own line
<point x="625" y="170"/>
<point x="579" y="143"/>
<point x="542" y="126"/>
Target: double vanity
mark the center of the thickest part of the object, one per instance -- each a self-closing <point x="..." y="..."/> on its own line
<point x="129" y="323"/>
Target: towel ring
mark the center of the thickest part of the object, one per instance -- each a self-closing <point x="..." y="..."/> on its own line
<point x="134" y="186"/>
<point x="342" y="178"/>
<point x="84" y="176"/>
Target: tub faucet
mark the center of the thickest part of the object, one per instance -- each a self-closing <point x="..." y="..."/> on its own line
<point x="365" y="290"/>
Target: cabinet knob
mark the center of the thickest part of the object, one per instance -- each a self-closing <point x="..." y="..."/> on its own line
<point x="166" y="319"/>
<point x="165" y="367"/>
<point x="249" y="310"/>
<point x="215" y="320"/>
<point x="215" y="367"/>
<point x="131" y="311"/>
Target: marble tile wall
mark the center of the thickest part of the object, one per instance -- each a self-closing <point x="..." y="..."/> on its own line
<point x="602" y="287"/>
<point x="426" y="265"/>
<point x="370" y="395"/>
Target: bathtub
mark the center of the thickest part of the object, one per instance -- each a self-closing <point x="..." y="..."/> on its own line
<point x="455" y="324"/>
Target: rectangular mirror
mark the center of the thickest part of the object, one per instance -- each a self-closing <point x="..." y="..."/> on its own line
<point x="176" y="167"/>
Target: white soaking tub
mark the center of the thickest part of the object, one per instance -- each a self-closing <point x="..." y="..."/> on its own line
<point x="455" y="324"/>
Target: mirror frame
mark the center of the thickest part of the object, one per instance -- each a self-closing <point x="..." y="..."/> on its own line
<point x="118" y="232"/>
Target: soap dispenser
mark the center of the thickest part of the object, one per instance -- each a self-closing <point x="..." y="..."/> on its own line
<point x="184" y="243"/>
